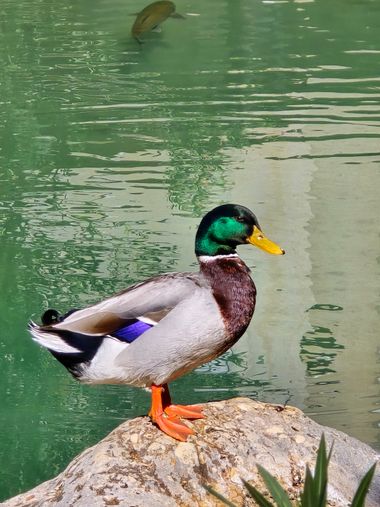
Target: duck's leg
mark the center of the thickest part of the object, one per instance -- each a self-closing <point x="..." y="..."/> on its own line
<point x="184" y="411"/>
<point x="169" y="424"/>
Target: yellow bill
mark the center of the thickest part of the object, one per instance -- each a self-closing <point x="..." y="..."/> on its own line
<point x="258" y="239"/>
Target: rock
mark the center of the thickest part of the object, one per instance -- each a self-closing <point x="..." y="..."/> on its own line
<point x="137" y="465"/>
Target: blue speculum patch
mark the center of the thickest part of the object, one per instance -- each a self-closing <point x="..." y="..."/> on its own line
<point x="132" y="331"/>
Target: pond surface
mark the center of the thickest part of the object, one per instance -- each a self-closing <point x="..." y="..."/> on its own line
<point x="111" y="153"/>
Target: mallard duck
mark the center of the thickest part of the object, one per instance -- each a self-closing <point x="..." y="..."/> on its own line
<point x="158" y="330"/>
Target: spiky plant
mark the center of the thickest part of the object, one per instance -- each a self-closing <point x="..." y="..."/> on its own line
<point x="315" y="486"/>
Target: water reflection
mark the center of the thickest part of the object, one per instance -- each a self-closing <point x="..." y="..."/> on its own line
<point x="316" y="347"/>
<point x="229" y="376"/>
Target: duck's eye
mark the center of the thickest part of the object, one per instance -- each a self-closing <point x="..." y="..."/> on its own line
<point x="239" y="219"/>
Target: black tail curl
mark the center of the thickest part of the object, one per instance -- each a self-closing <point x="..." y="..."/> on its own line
<point x="52" y="316"/>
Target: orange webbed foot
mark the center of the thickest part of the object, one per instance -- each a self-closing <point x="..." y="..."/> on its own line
<point x="173" y="427"/>
<point x="168" y="416"/>
<point x="185" y="411"/>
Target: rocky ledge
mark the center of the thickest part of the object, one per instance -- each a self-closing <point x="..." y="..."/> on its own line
<point x="137" y="465"/>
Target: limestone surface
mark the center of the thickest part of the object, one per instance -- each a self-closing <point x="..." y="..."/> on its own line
<point x="137" y="465"/>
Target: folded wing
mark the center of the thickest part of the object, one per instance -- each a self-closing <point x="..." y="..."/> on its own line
<point x="148" y="302"/>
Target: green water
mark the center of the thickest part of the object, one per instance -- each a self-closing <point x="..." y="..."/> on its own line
<point x="111" y="153"/>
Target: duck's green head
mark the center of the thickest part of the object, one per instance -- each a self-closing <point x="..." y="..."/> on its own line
<point x="226" y="227"/>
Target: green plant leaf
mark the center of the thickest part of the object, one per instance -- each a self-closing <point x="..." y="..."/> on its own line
<point x="219" y="496"/>
<point x="320" y="475"/>
<point x="361" y="492"/>
<point x="279" y="495"/>
<point x="257" y="496"/>
<point x="315" y="488"/>
<point x="307" y="494"/>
